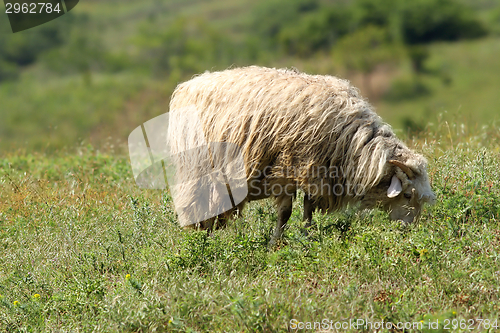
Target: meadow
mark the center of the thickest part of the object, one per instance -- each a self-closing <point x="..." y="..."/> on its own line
<point x="84" y="249"/>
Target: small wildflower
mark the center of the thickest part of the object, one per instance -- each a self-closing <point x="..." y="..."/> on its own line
<point x="127" y="277"/>
<point x="16" y="303"/>
<point x="454" y="313"/>
<point x="36" y="296"/>
<point x="170" y="321"/>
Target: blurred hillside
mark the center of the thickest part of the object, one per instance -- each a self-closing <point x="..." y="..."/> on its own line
<point x="95" y="74"/>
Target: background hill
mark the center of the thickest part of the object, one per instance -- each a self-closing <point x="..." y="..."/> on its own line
<point x="95" y="74"/>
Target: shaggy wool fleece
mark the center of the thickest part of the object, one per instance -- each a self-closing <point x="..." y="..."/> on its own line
<point x="295" y="128"/>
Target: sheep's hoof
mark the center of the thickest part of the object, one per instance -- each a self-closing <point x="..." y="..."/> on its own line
<point x="307" y="229"/>
<point x="275" y="243"/>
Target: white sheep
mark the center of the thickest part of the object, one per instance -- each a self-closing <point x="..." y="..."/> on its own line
<point x="297" y="131"/>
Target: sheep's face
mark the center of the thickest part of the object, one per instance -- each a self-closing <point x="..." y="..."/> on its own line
<point x="403" y="191"/>
<point x="406" y="204"/>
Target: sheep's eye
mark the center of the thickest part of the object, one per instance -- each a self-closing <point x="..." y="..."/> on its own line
<point x="407" y="195"/>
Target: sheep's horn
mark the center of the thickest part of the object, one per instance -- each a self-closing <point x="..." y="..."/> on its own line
<point x="403" y="167"/>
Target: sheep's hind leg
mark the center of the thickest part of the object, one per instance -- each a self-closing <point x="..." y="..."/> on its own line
<point x="284" y="203"/>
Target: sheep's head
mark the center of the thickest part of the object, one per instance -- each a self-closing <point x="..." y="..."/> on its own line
<point x="403" y="190"/>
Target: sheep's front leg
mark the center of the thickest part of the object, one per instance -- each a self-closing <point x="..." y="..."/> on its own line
<point x="308" y="210"/>
<point x="284" y="203"/>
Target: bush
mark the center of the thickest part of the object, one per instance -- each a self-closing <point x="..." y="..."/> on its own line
<point x="274" y="18"/>
<point x="25" y="48"/>
<point x="364" y="49"/>
<point x="185" y="47"/>
<point x="379" y="13"/>
<point x="270" y="17"/>
<point x="407" y="89"/>
<point x="426" y="21"/>
<point x="420" y="21"/>
<point x="315" y="31"/>
<point x="81" y="54"/>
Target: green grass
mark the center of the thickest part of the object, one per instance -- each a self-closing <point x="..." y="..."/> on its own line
<point x="84" y="249"/>
<point x="104" y="255"/>
<point x="66" y="111"/>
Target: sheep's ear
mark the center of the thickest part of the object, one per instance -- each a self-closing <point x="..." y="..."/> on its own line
<point x="395" y="187"/>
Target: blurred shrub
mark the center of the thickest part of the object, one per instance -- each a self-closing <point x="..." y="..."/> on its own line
<point x="80" y="54"/>
<point x="365" y="48"/>
<point x="26" y="47"/>
<point x="424" y="21"/>
<point x="315" y="31"/>
<point x="407" y="88"/>
<point x="300" y="27"/>
<point x="303" y="27"/>
<point x="23" y="48"/>
<point x="189" y="46"/>
<point x="271" y="17"/>
<point x="83" y="52"/>
<point x="418" y="55"/>
<point x="380" y="13"/>
<point x="420" y="21"/>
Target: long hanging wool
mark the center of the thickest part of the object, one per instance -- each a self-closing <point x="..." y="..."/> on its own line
<point x="286" y="120"/>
